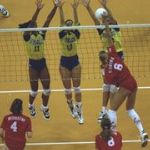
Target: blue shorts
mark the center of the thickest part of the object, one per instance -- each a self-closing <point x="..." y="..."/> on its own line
<point x="38" y="65"/>
<point x="69" y="62"/>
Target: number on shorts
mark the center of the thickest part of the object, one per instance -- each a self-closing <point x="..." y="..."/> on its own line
<point x="14" y="126"/>
<point x="111" y="142"/>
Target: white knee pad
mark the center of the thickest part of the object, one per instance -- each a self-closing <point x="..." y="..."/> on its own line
<point x="46" y="92"/>
<point x="67" y="91"/>
<point x="77" y="89"/>
<point x="113" y="88"/>
<point x="133" y="115"/>
<point x="106" y="87"/>
<point x="33" y="93"/>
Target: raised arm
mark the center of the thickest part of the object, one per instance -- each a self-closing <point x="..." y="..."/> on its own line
<point x="104" y="4"/>
<point x="51" y="14"/>
<point x="61" y="12"/>
<point x="75" y="6"/>
<point x="86" y="4"/>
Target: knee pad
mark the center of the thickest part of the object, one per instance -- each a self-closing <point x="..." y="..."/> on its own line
<point x="33" y="93"/>
<point x="106" y="87"/>
<point x="67" y="91"/>
<point x="113" y="88"/>
<point x="46" y="92"/>
<point x="77" y="89"/>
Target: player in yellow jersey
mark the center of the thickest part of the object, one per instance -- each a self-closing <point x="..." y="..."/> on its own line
<point x="107" y="89"/>
<point x="37" y="63"/>
<point x="70" y="68"/>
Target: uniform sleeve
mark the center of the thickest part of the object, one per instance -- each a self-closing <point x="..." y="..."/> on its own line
<point x="77" y="33"/>
<point x="62" y="34"/>
<point x="97" y="142"/>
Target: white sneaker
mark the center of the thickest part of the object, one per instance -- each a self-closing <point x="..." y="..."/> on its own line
<point x="79" y="117"/>
<point x="4" y="11"/>
<point x="72" y="111"/>
<point x="101" y="115"/>
<point x="32" y="110"/>
<point x="46" y="113"/>
<point x="144" y="139"/>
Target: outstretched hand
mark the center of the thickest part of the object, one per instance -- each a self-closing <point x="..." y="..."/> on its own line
<point x="59" y="3"/>
<point x="86" y="3"/>
<point x="39" y="4"/>
<point x="75" y="4"/>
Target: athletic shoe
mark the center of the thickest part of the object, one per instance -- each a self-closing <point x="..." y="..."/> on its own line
<point x="101" y="116"/>
<point x="72" y="110"/>
<point x="144" y="139"/>
<point x="80" y="118"/>
<point x="4" y="11"/>
<point x="46" y="113"/>
<point x="32" y="110"/>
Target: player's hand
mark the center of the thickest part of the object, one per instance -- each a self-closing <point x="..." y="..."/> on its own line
<point x="59" y="3"/>
<point x="86" y="3"/>
<point x="39" y="4"/>
<point x="75" y="4"/>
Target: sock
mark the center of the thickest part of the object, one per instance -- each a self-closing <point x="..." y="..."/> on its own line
<point x="104" y="109"/>
<point x="44" y="108"/>
<point x="135" y="117"/>
<point x="113" y="118"/>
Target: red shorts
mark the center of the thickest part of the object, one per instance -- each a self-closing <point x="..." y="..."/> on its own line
<point x="129" y="84"/>
<point x="12" y="146"/>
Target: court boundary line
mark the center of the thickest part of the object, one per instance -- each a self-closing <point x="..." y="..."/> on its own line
<point x="73" y="143"/>
<point x="62" y="90"/>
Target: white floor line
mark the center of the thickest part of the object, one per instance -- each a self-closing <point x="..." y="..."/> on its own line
<point x="62" y="90"/>
<point x="73" y="143"/>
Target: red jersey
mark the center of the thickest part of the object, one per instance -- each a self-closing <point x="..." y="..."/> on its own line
<point x="115" y="143"/>
<point x="15" y="127"/>
<point x="117" y="72"/>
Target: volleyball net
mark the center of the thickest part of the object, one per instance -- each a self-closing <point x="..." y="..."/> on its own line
<point x="14" y="59"/>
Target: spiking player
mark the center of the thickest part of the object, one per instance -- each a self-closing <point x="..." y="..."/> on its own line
<point x="70" y="68"/>
<point x="37" y="63"/>
<point x="108" y="139"/>
<point x="4" y="11"/>
<point x="117" y="73"/>
<point x="15" y="127"/>
<point x="107" y="89"/>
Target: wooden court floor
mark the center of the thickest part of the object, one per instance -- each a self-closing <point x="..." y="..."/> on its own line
<point x="62" y="127"/>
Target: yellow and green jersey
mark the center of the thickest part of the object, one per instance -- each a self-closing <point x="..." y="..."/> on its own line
<point x="69" y="39"/>
<point x="116" y="38"/>
<point x="35" y="46"/>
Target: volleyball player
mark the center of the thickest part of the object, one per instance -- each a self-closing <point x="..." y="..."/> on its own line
<point x="37" y="63"/>
<point x="70" y="68"/>
<point x="4" y="11"/>
<point x="15" y="127"/>
<point x="117" y="42"/>
<point x="108" y="139"/>
<point x="117" y="73"/>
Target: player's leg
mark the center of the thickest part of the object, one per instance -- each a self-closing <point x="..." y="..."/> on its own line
<point x="66" y="80"/>
<point x="4" y="11"/>
<point x="45" y="80"/>
<point x="130" y="103"/>
<point x="34" y="76"/>
<point x="76" y="79"/>
<point x="115" y="102"/>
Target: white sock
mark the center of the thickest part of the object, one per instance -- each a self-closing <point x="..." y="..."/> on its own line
<point x="104" y="109"/>
<point x="135" y="117"/>
<point x="44" y="107"/>
<point x="113" y="118"/>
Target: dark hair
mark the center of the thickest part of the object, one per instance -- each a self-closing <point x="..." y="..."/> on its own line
<point x="106" y="128"/>
<point x="16" y="106"/>
<point x="102" y="55"/>
<point x="69" y="20"/>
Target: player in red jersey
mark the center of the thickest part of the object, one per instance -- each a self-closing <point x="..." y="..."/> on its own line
<point x="108" y="139"/>
<point x="15" y="127"/>
<point x="117" y="73"/>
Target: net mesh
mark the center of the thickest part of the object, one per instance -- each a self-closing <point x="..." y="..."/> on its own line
<point x="14" y="59"/>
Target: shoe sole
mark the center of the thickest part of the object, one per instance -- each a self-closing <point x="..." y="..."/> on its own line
<point x="145" y="142"/>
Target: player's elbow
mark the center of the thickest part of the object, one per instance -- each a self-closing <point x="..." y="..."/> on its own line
<point x="29" y="134"/>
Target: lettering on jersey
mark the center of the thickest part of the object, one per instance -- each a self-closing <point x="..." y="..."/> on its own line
<point x="36" y="42"/>
<point x="110" y="65"/>
<point x="70" y="39"/>
<point x="15" y="118"/>
<point x="111" y="142"/>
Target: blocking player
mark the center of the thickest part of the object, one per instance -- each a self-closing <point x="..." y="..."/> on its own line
<point x="117" y="73"/>
<point x="37" y="63"/>
<point x="117" y="42"/>
<point x="15" y="127"/>
<point x="70" y="68"/>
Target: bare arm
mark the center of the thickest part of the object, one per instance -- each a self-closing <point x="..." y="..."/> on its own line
<point x="86" y="4"/>
<point x="61" y="12"/>
<point x="75" y="6"/>
<point x="104" y="4"/>
<point x="29" y="134"/>
<point x="2" y="133"/>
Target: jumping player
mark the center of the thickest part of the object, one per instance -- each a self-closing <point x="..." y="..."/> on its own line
<point x="70" y="68"/>
<point x="117" y="42"/>
<point x="37" y="63"/>
<point x="15" y="127"/>
<point x="4" y="11"/>
<point x="117" y="73"/>
<point x="108" y="139"/>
